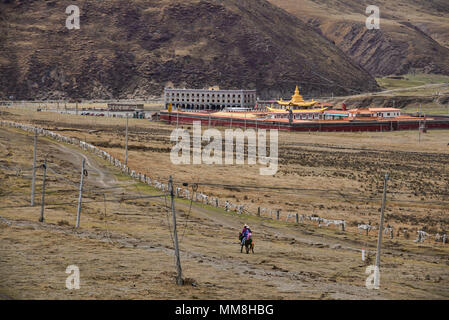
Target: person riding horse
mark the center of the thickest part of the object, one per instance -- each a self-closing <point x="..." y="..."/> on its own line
<point x="245" y="238"/>
<point x="245" y="234"/>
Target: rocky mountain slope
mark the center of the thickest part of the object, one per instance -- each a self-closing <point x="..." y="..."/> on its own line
<point x="132" y="49"/>
<point x="413" y="34"/>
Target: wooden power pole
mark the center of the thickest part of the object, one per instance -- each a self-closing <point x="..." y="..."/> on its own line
<point x="41" y="219"/>
<point x="179" y="280"/>
<point x="126" y="142"/>
<point x="33" y="183"/>
<point x="78" y="215"/>
<point x="379" y="239"/>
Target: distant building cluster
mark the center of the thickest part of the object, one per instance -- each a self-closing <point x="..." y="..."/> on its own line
<point x="324" y="114"/>
<point x="125" y="106"/>
<point x="375" y="112"/>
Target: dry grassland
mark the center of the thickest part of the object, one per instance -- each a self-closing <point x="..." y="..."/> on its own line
<point x="124" y="249"/>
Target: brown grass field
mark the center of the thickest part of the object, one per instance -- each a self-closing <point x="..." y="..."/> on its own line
<point x="124" y="249"/>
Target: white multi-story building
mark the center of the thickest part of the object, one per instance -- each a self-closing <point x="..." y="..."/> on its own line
<point x="209" y="99"/>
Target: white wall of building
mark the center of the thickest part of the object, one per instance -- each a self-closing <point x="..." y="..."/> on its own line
<point x="209" y="99"/>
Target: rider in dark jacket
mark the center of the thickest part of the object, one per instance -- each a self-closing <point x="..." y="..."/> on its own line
<point x="246" y="233"/>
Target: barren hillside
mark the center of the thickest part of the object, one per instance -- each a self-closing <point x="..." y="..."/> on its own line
<point x="129" y="49"/>
<point x="413" y="34"/>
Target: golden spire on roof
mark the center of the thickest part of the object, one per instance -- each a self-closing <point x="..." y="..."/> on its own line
<point x="297" y="101"/>
<point x="297" y="97"/>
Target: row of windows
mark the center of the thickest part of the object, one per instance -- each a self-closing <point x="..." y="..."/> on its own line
<point x="208" y="100"/>
<point x="379" y="114"/>
<point x="388" y="114"/>
<point x="249" y="96"/>
<point x="305" y="117"/>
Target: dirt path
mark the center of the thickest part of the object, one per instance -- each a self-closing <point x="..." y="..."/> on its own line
<point x="102" y="177"/>
<point x="425" y="86"/>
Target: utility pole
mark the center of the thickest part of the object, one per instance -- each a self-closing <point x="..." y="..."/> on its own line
<point x="33" y="183"/>
<point x="419" y="131"/>
<point x="179" y="280"/>
<point x="41" y="219"/>
<point x="126" y="143"/>
<point x="379" y="239"/>
<point x="78" y="215"/>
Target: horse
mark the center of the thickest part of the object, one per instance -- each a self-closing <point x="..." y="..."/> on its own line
<point x="248" y="244"/>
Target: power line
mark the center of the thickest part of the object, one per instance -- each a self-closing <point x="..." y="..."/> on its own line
<point x="234" y="186"/>
<point x="98" y="190"/>
<point x="325" y="193"/>
<point x="92" y="201"/>
<point x="188" y="214"/>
